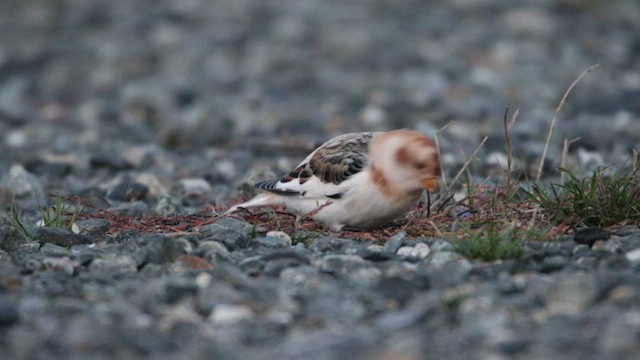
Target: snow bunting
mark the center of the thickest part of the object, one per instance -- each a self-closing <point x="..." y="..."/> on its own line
<point x="359" y="180"/>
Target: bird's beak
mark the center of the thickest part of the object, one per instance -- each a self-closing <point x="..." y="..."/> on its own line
<point x="430" y="184"/>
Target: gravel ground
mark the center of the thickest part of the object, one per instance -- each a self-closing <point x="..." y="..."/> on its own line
<point x="164" y="107"/>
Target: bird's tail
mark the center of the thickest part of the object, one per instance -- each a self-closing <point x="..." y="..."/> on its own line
<point x="264" y="199"/>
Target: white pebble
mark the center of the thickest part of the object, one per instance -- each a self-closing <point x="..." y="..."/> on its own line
<point x="420" y="251"/>
<point x="226" y="314"/>
<point x="633" y="255"/>
<point x="280" y="235"/>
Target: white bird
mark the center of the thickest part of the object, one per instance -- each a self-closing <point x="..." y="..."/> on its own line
<point x="358" y="180"/>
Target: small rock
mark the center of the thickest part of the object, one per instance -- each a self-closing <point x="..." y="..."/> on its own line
<point x="612" y="245"/>
<point x="227" y="223"/>
<point x="109" y="161"/>
<point x="571" y="294"/>
<point x="442" y="245"/>
<point x="195" y="262"/>
<point x="11" y="238"/>
<point x="281" y="235"/>
<point x="168" y="206"/>
<point x="553" y="263"/>
<point x="21" y="182"/>
<point x="226" y="314"/>
<point x="581" y="249"/>
<point x="633" y="256"/>
<point x="232" y="239"/>
<point x="128" y="191"/>
<point x="366" y="276"/>
<point x="279" y="260"/>
<point x="85" y="253"/>
<point x="9" y="313"/>
<point x="53" y="250"/>
<point x="340" y="264"/>
<point x="374" y="253"/>
<point x="329" y="244"/>
<point x="114" y="266"/>
<point x="159" y="249"/>
<point x="273" y="242"/>
<point x="414" y="312"/>
<point x="154" y="186"/>
<point x="195" y="185"/>
<point x="60" y="264"/>
<point x="252" y="265"/>
<point x="60" y="237"/>
<point x="213" y="251"/>
<point x="420" y="251"/>
<point x="590" y="235"/>
<point x="175" y="288"/>
<point x="395" y="242"/>
<point x="92" y="226"/>
<point x="276" y="266"/>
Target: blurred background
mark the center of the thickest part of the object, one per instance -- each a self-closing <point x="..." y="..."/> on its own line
<point x="214" y="85"/>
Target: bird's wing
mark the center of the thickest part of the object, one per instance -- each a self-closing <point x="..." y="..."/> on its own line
<point x="324" y="173"/>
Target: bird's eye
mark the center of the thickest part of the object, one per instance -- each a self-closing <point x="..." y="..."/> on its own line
<point x="420" y="164"/>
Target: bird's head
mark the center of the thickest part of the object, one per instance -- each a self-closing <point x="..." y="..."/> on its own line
<point x="407" y="158"/>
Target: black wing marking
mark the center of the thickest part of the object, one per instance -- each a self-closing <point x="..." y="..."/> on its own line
<point x="340" y="158"/>
<point x="270" y="185"/>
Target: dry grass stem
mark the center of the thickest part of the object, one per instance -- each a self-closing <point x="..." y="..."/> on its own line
<point x="563" y="159"/>
<point x="466" y="164"/>
<point x="508" y="126"/>
<point x="442" y="173"/>
<point x="555" y="118"/>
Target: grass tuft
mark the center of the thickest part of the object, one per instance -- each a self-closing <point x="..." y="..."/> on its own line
<point x="491" y="242"/>
<point x="609" y="197"/>
<point x="15" y="219"/>
<point x="58" y="215"/>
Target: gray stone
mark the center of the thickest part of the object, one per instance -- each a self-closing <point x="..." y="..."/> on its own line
<point x="60" y="237"/>
<point x="195" y="185"/>
<point x="225" y="224"/>
<point x="97" y="227"/>
<point x="11" y="238"/>
<point x="52" y="250"/>
<point x="21" y="182"/>
<point x="214" y="252"/>
<point x="571" y="294"/>
<point x="114" y="266"/>
<point x="441" y="245"/>
<point x="340" y="264"/>
<point x="412" y="314"/>
<point x="273" y="242"/>
<point x="395" y="242"/>
<point x="281" y="235"/>
<point x="329" y="244"/>
<point x="168" y="206"/>
<point x="60" y="264"/>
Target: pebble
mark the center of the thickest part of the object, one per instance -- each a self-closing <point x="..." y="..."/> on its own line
<point x="283" y="236"/>
<point x="60" y="237"/>
<point x="420" y="251"/>
<point x="393" y="244"/>
<point x="20" y="182"/>
<point x="114" y="266"/>
<point x="195" y="185"/>
<point x="227" y="314"/>
<point x="633" y="256"/>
